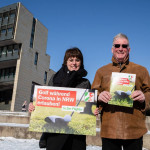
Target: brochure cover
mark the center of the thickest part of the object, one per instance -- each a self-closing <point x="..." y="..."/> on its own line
<point x="64" y="110"/>
<point x="121" y="88"/>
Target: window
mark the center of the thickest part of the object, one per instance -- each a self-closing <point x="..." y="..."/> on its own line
<point x="12" y="15"/>
<point x="36" y="58"/>
<point x="3" y="31"/>
<point x="5" y="17"/>
<point x="4" y="50"/>
<point x="10" y="29"/>
<point x="16" y="47"/>
<point x="31" y="42"/>
<point x="1" y="51"/>
<point x="12" y="71"/>
<point x="7" y="72"/>
<point x="10" y="48"/>
<point x="45" y="77"/>
<point x="2" y="73"/>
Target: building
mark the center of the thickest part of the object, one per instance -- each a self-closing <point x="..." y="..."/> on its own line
<point x="23" y="59"/>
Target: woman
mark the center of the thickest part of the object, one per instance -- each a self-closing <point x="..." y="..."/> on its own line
<point x="70" y="75"/>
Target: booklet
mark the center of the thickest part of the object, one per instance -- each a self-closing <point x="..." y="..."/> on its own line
<point x="121" y="87"/>
<point x="64" y="110"/>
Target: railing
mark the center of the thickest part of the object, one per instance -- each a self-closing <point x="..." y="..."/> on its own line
<point x="9" y="55"/>
<point x="7" y="78"/>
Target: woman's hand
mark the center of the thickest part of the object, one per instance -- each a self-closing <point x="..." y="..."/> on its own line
<point x="96" y="111"/>
<point x="31" y="107"/>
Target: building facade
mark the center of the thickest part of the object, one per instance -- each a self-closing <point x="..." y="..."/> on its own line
<point x="23" y="59"/>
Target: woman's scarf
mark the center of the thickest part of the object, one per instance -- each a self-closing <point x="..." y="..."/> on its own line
<point x="66" y="78"/>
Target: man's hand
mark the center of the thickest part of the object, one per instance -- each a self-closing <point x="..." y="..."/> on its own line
<point x="104" y="97"/>
<point x="138" y="95"/>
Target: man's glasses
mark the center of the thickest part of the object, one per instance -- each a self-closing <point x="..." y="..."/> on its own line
<point x="118" y="45"/>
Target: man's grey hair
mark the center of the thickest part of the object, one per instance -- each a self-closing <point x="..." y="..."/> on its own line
<point x="120" y="35"/>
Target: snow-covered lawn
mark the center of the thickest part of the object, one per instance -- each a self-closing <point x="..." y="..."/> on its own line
<point x="10" y="143"/>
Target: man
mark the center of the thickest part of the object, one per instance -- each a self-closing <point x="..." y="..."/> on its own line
<point x="122" y="126"/>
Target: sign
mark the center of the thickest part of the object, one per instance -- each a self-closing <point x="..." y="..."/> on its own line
<point x="121" y="88"/>
<point x="64" y="110"/>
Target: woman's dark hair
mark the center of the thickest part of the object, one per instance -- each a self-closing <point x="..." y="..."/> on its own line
<point x="73" y="52"/>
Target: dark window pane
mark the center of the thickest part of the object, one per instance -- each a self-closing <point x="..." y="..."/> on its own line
<point x="10" y="49"/>
<point x="10" y="29"/>
<point x="31" y="42"/>
<point x="4" y="50"/>
<point x="6" y="71"/>
<point x="3" y="31"/>
<point x="32" y="32"/>
<point x="1" y="51"/>
<point x="2" y="72"/>
<point x="45" y="77"/>
<point x="5" y="17"/>
<point x="36" y="58"/>
<point x="12" y="15"/>
<point x="16" y="47"/>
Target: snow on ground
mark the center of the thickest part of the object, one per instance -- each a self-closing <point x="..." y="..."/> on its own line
<point x="10" y="143"/>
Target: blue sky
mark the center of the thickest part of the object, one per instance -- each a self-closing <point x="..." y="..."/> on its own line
<point x="91" y="25"/>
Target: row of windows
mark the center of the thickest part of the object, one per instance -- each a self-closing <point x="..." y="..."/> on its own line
<point x="7" y="22"/>
<point x="5" y="31"/>
<point x="13" y="48"/>
<point x="11" y="71"/>
<point x="9" y="49"/>
<point x="7" y="72"/>
<point x="7" y="17"/>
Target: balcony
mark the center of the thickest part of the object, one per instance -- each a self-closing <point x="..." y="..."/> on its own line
<point x="9" y="55"/>
<point x="6" y="84"/>
<point x="7" y="78"/>
<point x="6" y="37"/>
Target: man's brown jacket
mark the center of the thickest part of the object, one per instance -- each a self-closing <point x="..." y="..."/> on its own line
<point x="119" y="122"/>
